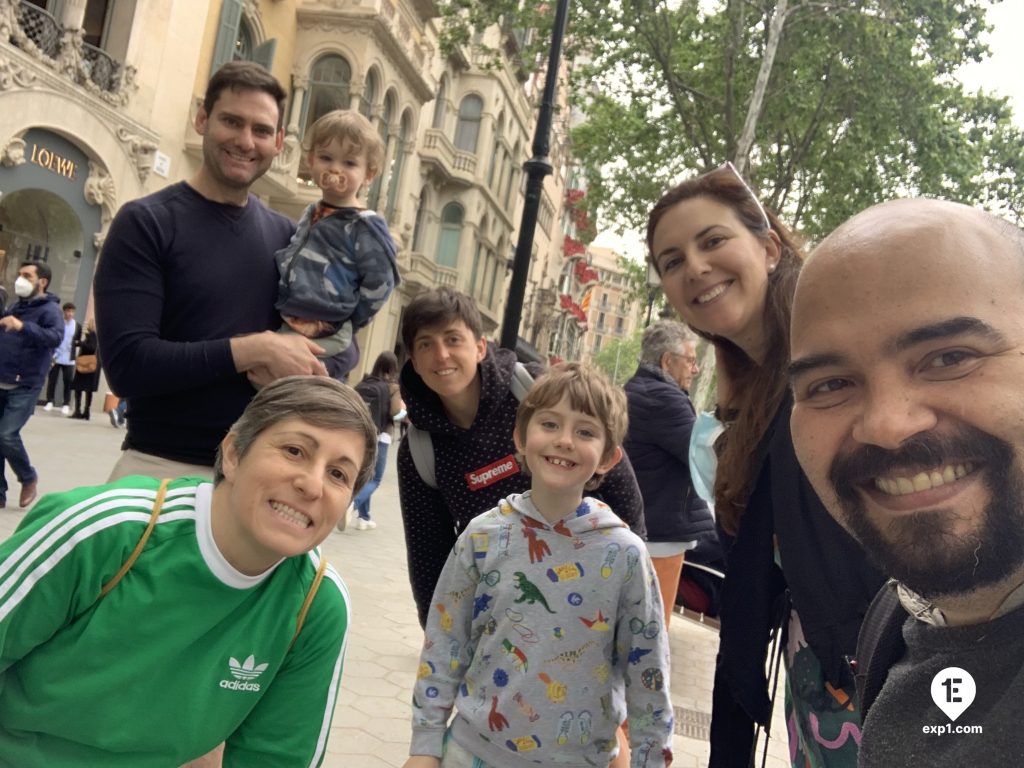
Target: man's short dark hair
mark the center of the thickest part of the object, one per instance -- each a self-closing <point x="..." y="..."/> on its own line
<point x="68" y="305"/>
<point x="437" y="307"/>
<point x="42" y="270"/>
<point x="244" y="75"/>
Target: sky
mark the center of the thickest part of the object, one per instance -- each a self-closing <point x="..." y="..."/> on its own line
<point x="1002" y="72"/>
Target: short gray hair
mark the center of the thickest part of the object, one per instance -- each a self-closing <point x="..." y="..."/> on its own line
<point x="317" y="400"/>
<point x="664" y="336"/>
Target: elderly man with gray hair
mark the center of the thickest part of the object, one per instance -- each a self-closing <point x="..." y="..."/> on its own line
<point x="660" y="419"/>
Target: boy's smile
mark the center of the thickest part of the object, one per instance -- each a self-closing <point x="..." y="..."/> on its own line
<point x="564" y="448"/>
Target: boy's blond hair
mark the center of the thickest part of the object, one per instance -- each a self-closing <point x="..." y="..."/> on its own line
<point x="347" y="125"/>
<point x="590" y="392"/>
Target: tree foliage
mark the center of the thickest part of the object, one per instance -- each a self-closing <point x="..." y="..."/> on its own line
<point x="620" y="357"/>
<point x="861" y="103"/>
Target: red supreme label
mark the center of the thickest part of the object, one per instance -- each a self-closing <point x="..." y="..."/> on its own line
<point x="492" y="473"/>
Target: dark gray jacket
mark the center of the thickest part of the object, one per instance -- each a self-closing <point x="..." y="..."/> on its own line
<point x="661" y="417"/>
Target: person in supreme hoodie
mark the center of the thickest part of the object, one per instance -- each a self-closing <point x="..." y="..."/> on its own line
<point x="546" y="629"/>
<point x="457" y="388"/>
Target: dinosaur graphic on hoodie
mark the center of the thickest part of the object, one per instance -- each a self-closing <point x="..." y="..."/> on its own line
<point x="543" y="643"/>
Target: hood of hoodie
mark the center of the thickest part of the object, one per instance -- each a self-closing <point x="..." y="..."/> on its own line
<point x="590" y="516"/>
<point x="425" y="408"/>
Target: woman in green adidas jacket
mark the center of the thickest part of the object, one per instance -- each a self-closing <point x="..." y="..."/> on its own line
<point x="145" y="623"/>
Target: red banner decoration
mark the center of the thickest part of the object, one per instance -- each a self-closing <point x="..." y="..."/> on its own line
<point x="585" y="273"/>
<point x="571" y="247"/>
<point x="566" y="302"/>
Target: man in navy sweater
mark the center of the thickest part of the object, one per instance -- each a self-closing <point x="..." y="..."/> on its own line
<point x="28" y="334"/>
<point x="186" y="286"/>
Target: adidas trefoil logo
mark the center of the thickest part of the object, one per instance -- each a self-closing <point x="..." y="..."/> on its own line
<point x="244" y="672"/>
<point x="247" y="670"/>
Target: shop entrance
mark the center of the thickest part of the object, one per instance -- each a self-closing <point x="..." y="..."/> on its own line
<point x="39" y="225"/>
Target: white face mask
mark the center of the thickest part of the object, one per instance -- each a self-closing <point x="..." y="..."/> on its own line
<point x="23" y="287"/>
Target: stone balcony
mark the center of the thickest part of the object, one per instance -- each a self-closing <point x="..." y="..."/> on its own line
<point x="450" y="165"/>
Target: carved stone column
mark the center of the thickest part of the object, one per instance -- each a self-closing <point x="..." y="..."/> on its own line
<point x="386" y="166"/>
<point x="300" y="82"/>
<point x="100" y="190"/>
<point x="73" y="14"/>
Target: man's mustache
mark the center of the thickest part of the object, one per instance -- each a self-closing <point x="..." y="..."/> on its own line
<point x="918" y="453"/>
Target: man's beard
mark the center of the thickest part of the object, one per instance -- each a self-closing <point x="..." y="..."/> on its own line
<point x="922" y="549"/>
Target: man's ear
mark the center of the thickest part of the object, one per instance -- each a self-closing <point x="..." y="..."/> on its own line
<point x="606" y="466"/>
<point x="228" y="456"/>
<point x="481" y="349"/>
<point x="201" y="119"/>
<point x="279" y="139"/>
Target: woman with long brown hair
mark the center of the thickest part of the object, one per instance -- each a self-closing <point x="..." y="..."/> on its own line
<point x="729" y="267"/>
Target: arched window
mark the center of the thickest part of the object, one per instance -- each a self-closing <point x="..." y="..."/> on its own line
<point x="369" y="95"/>
<point x="440" y="104"/>
<point x="404" y="131"/>
<point x="419" y="226"/>
<point x="328" y="87"/>
<point x="468" y="129"/>
<point x="496" y="151"/>
<point x="238" y="38"/>
<point x="451" y="232"/>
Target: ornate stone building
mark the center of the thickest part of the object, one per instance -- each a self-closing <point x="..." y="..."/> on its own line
<point x="97" y="100"/>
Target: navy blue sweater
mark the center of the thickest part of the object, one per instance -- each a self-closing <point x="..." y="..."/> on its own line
<point x="178" y="277"/>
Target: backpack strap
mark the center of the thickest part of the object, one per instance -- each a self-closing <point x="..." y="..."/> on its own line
<point x="157" y="506"/>
<point x="309" y="600"/>
<point x="421" y="447"/>
<point x="521" y="382"/>
<point x="879" y="645"/>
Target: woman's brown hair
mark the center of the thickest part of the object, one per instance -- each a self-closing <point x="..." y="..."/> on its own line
<point x="757" y="390"/>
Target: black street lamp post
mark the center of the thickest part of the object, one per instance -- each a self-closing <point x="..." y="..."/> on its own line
<point x="537" y="167"/>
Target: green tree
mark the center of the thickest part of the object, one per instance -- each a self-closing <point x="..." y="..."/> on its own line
<point x="833" y="107"/>
<point x="620" y="357"/>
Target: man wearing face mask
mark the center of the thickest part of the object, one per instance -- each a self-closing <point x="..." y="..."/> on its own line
<point x="29" y="332"/>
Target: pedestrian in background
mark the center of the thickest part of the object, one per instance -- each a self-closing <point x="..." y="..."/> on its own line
<point x="661" y="417"/>
<point x="379" y="390"/>
<point x="87" y="371"/>
<point x="64" y="361"/>
<point x="29" y="331"/>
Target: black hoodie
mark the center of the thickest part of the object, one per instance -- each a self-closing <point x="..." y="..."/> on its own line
<point x="433" y="517"/>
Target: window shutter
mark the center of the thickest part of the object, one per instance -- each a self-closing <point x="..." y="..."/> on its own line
<point x="264" y="54"/>
<point x="227" y="33"/>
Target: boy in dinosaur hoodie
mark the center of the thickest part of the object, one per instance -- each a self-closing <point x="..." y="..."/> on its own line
<point x="546" y="627"/>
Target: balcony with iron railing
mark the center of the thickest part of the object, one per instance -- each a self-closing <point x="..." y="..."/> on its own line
<point x="33" y="30"/>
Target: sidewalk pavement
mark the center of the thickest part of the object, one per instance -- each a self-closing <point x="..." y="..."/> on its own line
<point x="371" y="725"/>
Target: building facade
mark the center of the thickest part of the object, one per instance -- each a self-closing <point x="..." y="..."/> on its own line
<point x="611" y="314"/>
<point x="98" y="100"/>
